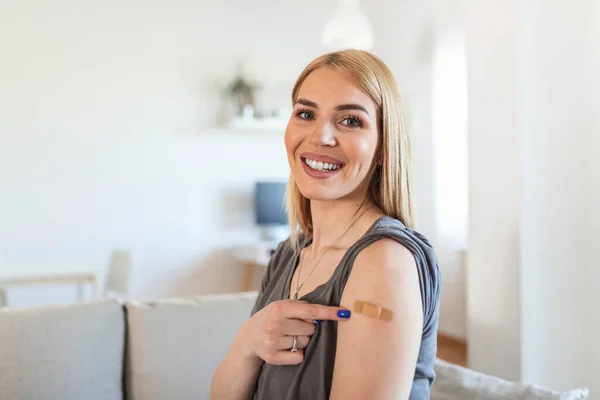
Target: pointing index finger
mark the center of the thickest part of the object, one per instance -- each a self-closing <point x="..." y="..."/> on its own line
<point x="312" y="312"/>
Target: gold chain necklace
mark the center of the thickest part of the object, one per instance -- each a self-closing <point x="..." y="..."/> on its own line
<point x="298" y="284"/>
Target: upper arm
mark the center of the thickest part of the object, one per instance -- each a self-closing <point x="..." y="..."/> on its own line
<point x="376" y="359"/>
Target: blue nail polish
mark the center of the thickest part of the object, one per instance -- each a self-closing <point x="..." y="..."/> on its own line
<point x="317" y="321"/>
<point x="343" y="314"/>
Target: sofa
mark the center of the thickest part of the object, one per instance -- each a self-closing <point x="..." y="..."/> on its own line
<point x="167" y="349"/>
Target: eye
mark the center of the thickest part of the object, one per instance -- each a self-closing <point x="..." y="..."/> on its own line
<point x="352" y="122"/>
<point x="305" y="114"/>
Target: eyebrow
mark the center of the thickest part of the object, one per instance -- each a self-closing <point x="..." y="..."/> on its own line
<point x="341" y="107"/>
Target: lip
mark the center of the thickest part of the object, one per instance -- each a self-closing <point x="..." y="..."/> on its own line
<point x="320" y="157"/>
<point x="320" y="174"/>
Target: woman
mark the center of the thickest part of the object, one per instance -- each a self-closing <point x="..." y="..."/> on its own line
<point x="350" y="208"/>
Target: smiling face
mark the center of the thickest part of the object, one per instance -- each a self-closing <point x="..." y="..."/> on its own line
<point x="331" y="138"/>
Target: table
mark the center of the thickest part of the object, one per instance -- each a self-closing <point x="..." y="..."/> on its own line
<point x="79" y="279"/>
<point x="253" y="257"/>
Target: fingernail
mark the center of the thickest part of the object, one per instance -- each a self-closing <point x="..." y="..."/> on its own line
<point x="317" y="321"/>
<point x="343" y="314"/>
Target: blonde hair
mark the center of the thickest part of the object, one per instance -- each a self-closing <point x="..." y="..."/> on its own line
<point x="391" y="184"/>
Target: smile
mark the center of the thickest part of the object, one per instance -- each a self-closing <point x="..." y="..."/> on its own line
<point x="321" y="166"/>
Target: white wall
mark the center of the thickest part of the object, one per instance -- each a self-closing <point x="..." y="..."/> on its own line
<point x="492" y="276"/>
<point x="531" y="300"/>
<point x="449" y="119"/>
<point x="106" y="111"/>
<point x="594" y="169"/>
<point x="555" y="176"/>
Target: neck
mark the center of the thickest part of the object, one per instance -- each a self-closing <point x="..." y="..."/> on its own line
<point x="332" y="218"/>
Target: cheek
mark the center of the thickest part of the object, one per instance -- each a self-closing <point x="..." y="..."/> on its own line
<point x="288" y="141"/>
<point x="361" y="150"/>
<point x="291" y="142"/>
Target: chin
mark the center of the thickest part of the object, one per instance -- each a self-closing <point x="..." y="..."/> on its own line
<point x="319" y="193"/>
<point x="320" y="197"/>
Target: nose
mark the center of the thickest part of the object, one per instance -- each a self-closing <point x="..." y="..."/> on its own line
<point x="322" y="135"/>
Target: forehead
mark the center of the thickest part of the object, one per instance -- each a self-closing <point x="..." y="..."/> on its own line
<point x="329" y="87"/>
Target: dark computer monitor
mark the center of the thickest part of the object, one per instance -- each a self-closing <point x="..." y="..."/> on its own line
<point x="269" y="204"/>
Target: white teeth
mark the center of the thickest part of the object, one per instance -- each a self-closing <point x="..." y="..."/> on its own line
<point x="321" y="166"/>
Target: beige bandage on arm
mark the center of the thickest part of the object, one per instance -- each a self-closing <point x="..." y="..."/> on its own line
<point x="373" y="310"/>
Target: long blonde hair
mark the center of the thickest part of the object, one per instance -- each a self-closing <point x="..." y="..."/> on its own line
<point x="391" y="183"/>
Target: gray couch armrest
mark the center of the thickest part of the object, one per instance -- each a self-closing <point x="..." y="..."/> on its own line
<point x="457" y="383"/>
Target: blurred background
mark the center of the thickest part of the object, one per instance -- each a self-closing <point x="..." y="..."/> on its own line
<point x="141" y="156"/>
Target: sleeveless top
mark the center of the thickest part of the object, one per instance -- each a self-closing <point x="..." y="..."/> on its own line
<point x="312" y="378"/>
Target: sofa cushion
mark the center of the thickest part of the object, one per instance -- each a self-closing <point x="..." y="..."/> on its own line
<point x="67" y="352"/>
<point x="175" y="345"/>
<point x="457" y="383"/>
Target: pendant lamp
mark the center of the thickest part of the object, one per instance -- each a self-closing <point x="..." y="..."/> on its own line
<point x="348" y="29"/>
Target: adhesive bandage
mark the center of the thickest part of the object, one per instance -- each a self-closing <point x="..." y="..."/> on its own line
<point x="373" y="310"/>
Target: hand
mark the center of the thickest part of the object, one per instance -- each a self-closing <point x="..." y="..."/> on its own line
<point x="270" y="332"/>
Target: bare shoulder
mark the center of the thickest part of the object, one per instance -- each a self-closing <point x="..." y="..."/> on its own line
<point x="385" y="253"/>
<point x="382" y="269"/>
<point x="386" y="260"/>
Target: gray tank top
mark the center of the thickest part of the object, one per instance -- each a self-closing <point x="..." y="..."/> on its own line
<point x="312" y="378"/>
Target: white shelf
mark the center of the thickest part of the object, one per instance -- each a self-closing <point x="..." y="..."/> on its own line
<point x="273" y="128"/>
<point x="266" y="125"/>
